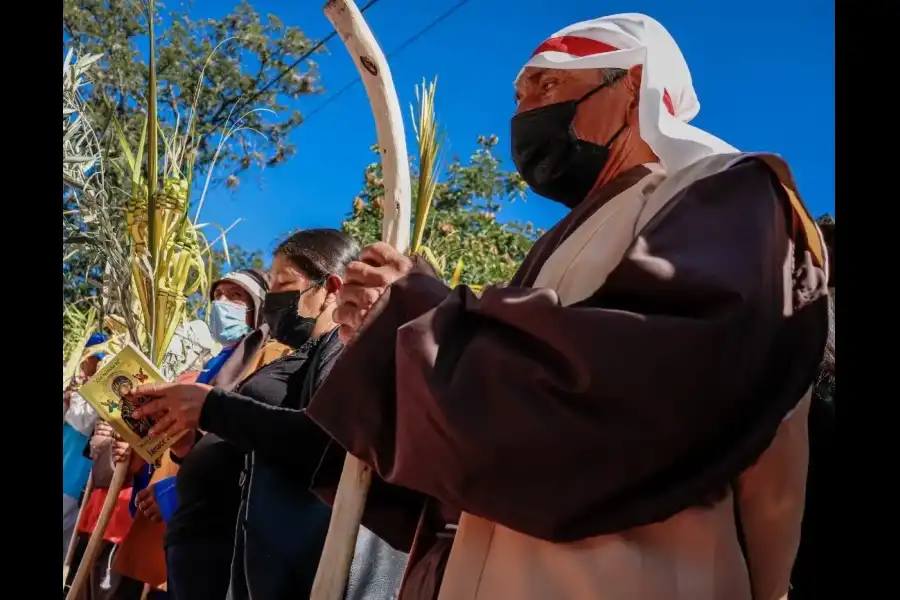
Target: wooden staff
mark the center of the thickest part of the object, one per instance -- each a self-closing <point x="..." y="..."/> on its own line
<point x="346" y="515"/>
<point x="93" y="547"/>
<point x="73" y="541"/>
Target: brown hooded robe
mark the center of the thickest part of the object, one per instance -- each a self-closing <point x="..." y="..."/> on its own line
<point x="600" y="428"/>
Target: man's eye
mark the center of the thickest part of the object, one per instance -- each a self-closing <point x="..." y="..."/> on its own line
<point x="548" y="85"/>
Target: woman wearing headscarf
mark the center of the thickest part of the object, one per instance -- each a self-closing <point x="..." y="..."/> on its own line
<point x="281" y="524"/>
<point x="199" y="537"/>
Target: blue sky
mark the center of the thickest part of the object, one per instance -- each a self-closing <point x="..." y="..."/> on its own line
<point x="764" y="73"/>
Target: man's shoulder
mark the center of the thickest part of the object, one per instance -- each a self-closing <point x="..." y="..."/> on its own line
<point x="748" y="184"/>
<point x="725" y="170"/>
<point x="713" y="191"/>
<point x="755" y="177"/>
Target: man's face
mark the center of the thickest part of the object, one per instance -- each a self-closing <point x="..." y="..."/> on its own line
<point x="598" y="118"/>
<point x="125" y="388"/>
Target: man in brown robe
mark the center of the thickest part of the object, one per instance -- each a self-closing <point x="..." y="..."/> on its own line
<point x="625" y="420"/>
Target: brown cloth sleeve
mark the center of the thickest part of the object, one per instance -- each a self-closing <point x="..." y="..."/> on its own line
<point x="569" y="422"/>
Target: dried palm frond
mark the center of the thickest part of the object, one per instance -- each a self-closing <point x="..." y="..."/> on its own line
<point x="170" y="253"/>
<point x="165" y="261"/>
<point x="93" y="225"/>
<point x="429" y="137"/>
<point x="78" y="326"/>
<point x="457" y="274"/>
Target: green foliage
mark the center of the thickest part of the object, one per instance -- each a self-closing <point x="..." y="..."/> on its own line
<point x="463" y="222"/>
<point x="254" y="52"/>
<point x="246" y="59"/>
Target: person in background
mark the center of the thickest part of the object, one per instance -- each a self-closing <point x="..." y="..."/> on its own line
<point x="137" y="555"/>
<point x="103" y="582"/>
<point x="282" y="525"/>
<point x="199" y="539"/>
<point x="141" y="555"/>
<point x="78" y="423"/>
<point x="236" y="310"/>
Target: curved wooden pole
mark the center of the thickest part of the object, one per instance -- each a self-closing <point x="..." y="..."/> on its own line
<point x="350" y="501"/>
<point x="376" y="76"/>
<point x="93" y="547"/>
<point x="73" y="542"/>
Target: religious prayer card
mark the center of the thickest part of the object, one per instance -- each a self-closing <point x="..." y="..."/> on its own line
<point x="106" y="392"/>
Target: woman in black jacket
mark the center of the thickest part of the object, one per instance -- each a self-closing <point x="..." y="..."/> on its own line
<point x="281" y="525"/>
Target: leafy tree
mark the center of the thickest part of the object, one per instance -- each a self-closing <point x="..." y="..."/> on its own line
<point x="463" y="222"/>
<point x="81" y="279"/>
<point x="250" y="69"/>
<point x="239" y="259"/>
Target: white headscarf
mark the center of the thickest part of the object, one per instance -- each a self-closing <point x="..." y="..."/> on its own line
<point x="668" y="101"/>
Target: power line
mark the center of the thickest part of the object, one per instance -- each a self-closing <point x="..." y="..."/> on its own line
<point x="303" y="57"/>
<point x="414" y="38"/>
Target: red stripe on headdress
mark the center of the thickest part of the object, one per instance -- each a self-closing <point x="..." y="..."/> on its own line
<point x="581" y="47"/>
<point x="667" y="100"/>
<point x="576" y="46"/>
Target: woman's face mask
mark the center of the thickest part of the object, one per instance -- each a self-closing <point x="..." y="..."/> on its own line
<point x="285" y="325"/>
<point x="228" y="322"/>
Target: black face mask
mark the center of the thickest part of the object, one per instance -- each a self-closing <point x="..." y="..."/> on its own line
<point x="551" y="158"/>
<point x="285" y="325"/>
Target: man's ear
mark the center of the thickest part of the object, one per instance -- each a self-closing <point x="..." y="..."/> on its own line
<point x="333" y="285"/>
<point x="633" y="85"/>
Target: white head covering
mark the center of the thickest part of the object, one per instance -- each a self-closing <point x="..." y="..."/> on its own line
<point x="668" y="101"/>
<point x="252" y="282"/>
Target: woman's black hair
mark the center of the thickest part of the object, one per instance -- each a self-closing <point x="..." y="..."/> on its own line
<point x="319" y="252"/>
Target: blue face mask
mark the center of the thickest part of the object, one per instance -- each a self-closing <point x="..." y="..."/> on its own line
<point x="228" y="322"/>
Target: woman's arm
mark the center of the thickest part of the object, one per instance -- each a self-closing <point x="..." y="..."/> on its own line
<point x="258" y="424"/>
<point x="281" y="435"/>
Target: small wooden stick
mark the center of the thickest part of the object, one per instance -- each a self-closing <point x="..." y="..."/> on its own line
<point x="73" y="541"/>
<point x="93" y="547"/>
<point x="350" y="501"/>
